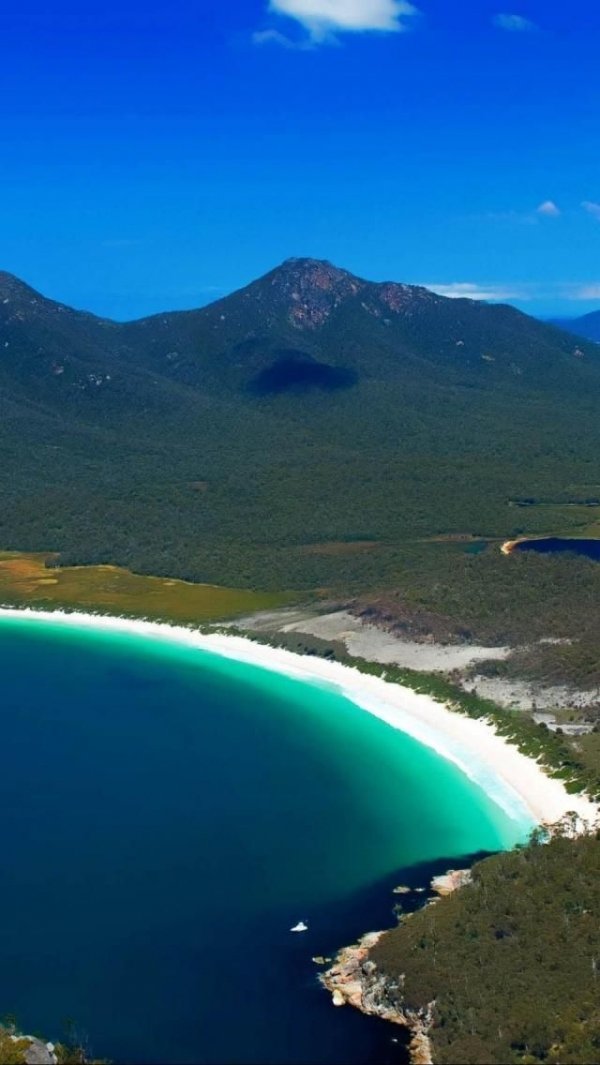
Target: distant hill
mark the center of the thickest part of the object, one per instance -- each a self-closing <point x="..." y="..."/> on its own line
<point x="306" y="325"/>
<point x="290" y="329"/>
<point x="587" y="326"/>
<point x="254" y="441"/>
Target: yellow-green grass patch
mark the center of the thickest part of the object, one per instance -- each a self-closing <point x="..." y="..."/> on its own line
<point x="25" y="580"/>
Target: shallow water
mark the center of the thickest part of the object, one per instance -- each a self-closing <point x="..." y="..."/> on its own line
<point x="168" y="815"/>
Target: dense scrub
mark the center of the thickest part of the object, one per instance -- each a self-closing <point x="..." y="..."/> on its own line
<point x="511" y="961"/>
<point x="518" y="599"/>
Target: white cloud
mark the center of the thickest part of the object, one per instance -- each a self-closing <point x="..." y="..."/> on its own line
<point x="275" y="37"/>
<point x="592" y="208"/>
<point x="503" y="292"/>
<point x="471" y="291"/>
<point x="322" y="18"/>
<point x="513" y="23"/>
<point x="549" y="209"/>
<point x="585" y="292"/>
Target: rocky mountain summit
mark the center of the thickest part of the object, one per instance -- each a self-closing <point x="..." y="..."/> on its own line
<point x="327" y="326"/>
<point x="310" y="290"/>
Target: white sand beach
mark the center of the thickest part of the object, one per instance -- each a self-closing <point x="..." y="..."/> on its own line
<point x="516" y="783"/>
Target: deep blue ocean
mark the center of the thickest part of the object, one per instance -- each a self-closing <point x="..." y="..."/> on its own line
<point x="167" y="815"/>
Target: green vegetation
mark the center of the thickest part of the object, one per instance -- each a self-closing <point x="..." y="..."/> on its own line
<point x="551" y="749"/>
<point x="13" y="1047"/>
<point x="572" y="660"/>
<point x="36" y="580"/>
<point x="153" y="446"/>
<point x="561" y="756"/>
<point x="517" y="599"/>
<point x="512" y="961"/>
<point x="12" y="1050"/>
<point x="319" y="433"/>
<point x="68" y="1054"/>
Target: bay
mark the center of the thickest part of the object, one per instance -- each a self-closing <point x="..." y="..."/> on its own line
<point x="168" y="815"/>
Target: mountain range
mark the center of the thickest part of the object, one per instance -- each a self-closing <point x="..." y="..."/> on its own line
<point x="306" y="325"/>
<point x="308" y="431"/>
<point x="586" y="326"/>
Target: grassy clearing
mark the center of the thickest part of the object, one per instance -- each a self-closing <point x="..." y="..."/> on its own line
<point x="34" y="580"/>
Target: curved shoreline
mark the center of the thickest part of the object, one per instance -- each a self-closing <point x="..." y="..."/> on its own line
<point x="514" y="782"/>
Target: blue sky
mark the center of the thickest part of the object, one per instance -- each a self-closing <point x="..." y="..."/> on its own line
<point x="156" y="156"/>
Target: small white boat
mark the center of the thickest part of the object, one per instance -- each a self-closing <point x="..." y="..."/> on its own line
<point x="300" y="927"/>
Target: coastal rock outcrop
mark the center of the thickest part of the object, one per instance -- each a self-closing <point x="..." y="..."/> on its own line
<point x="40" y="1053"/>
<point x="35" y="1052"/>
<point x="354" y="979"/>
<point x="451" y="881"/>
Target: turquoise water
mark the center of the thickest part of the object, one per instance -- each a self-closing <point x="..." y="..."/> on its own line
<point x="168" y="815"/>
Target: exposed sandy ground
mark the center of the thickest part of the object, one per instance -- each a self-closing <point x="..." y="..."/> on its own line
<point x="368" y="641"/>
<point x="375" y="644"/>
<point x="521" y="695"/>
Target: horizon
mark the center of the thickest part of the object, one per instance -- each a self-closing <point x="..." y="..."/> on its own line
<point x="159" y="159"/>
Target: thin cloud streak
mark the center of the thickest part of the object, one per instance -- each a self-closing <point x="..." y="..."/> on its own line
<point x="592" y="208"/>
<point x="472" y="291"/>
<point x="279" y="40"/>
<point x="513" y="23"/>
<point x="585" y="292"/>
<point x="503" y="292"/>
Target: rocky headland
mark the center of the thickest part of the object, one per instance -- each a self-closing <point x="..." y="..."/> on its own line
<point x="355" y="980"/>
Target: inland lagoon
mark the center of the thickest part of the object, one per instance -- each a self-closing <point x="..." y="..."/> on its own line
<point x="548" y="545"/>
<point x="169" y="814"/>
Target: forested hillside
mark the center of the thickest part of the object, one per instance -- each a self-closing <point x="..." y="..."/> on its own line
<point x="510" y="961"/>
<point x="312" y="431"/>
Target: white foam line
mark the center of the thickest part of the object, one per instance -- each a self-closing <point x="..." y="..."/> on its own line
<point x="513" y="781"/>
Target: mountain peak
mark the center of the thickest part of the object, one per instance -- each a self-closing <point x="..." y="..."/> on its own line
<point x="313" y="268"/>
<point x="306" y="290"/>
<point x="310" y="290"/>
<point x="316" y="274"/>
